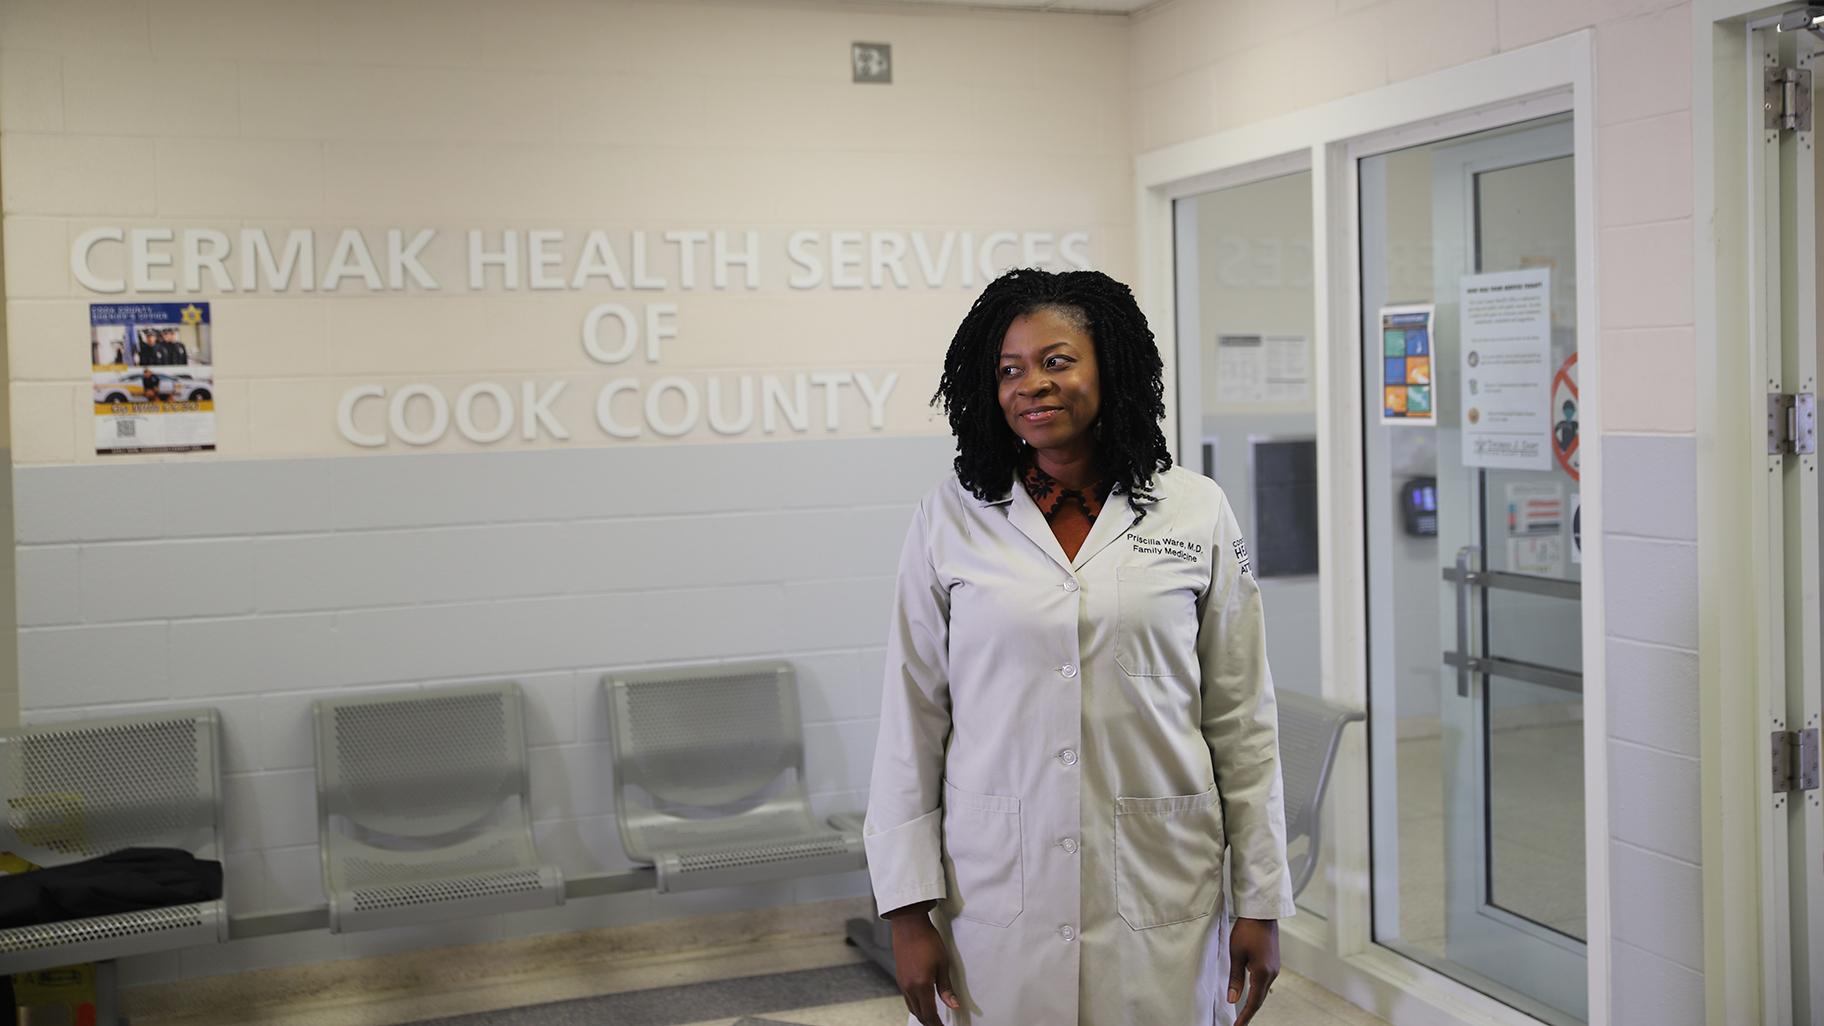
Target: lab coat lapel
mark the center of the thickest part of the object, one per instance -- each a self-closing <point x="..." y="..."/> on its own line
<point x="1024" y="514"/>
<point x="1116" y="517"/>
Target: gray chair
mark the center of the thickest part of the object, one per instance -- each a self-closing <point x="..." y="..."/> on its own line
<point x="423" y="808"/>
<point x="1309" y="732"/>
<point x="74" y="791"/>
<point x="709" y="777"/>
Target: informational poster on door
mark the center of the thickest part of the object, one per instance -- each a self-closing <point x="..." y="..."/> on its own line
<point x="1506" y="364"/>
<point x="1535" y="527"/>
<point x="1263" y="368"/>
<point x="152" y="368"/>
<point x="1535" y="507"/>
<point x="1406" y="381"/>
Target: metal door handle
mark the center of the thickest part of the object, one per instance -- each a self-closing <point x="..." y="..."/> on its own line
<point x="1466" y="578"/>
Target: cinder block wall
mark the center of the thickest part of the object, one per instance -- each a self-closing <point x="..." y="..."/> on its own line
<point x="291" y="563"/>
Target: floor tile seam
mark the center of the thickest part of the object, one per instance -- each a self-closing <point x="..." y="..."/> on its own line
<point x="662" y="1011"/>
<point x="587" y="972"/>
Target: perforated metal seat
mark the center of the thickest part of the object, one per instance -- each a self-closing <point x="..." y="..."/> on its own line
<point x="423" y="808"/>
<point x="79" y="790"/>
<point x="709" y="777"/>
<point x="1309" y="730"/>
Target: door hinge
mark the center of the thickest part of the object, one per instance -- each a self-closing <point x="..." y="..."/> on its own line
<point x="1792" y="424"/>
<point x="1786" y="99"/>
<point x="1795" y="760"/>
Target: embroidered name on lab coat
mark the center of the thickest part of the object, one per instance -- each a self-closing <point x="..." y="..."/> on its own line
<point x="1190" y="552"/>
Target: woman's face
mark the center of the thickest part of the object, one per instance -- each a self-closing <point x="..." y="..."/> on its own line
<point x="1049" y="388"/>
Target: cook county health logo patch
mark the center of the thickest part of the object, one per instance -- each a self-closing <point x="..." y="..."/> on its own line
<point x="1241" y="556"/>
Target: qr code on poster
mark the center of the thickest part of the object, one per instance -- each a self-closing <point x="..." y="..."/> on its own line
<point x="126" y="429"/>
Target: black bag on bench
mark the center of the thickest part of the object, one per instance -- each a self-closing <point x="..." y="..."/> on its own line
<point x="123" y="881"/>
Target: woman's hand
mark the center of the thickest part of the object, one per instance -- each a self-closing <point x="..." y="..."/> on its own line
<point x="922" y="963"/>
<point x="1253" y="958"/>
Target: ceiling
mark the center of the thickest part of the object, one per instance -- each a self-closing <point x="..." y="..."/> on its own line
<point x="1079" y="6"/>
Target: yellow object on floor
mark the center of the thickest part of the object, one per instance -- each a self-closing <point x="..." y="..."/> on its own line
<point x="56" y="997"/>
<point x="51" y="997"/>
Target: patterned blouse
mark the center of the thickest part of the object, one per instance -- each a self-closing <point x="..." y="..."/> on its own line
<point x="1069" y="511"/>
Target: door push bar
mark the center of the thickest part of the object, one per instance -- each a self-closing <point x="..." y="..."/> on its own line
<point x="1469" y="579"/>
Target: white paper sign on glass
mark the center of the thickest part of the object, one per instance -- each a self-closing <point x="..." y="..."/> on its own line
<point x="1506" y="352"/>
<point x="1261" y="368"/>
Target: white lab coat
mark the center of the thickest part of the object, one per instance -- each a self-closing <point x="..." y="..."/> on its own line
<point x="1066" y="747"/>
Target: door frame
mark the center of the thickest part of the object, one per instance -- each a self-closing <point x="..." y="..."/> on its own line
<point x="1549" y="77"/>
<point x="1745" y="951"/>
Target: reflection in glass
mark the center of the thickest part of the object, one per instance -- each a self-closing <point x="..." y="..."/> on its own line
<point x="1244" y="267"/>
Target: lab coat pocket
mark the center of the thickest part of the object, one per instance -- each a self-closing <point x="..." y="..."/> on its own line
<point x="1168" y="858"/>
<point x="1157" y="623"/>
<point x="982" y="862"/>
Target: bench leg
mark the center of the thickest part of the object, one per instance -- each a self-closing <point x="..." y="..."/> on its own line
<point x="106" y="987"/>
<point x="107" y="994"/>
<point x="873" y="937"/>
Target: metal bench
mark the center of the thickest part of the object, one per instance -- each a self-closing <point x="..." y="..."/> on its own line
<point x="1309" y="731"/>
<point x="423" y="808"/>
<point x="78" y="790"/>
<point x="709" y="777"/>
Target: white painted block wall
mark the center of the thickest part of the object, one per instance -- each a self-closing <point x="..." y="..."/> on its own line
<point x="290" y="565"/>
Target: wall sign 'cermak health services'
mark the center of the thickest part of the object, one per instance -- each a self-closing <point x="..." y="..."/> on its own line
<point x="637" y="398"/>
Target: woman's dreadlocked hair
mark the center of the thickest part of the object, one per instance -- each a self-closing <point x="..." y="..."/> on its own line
<point x="1129" y="445"/>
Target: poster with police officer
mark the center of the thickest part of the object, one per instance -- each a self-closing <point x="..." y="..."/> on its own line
<point x="154" y="379"/>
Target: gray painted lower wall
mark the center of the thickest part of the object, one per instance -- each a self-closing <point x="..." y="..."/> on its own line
<point x="255" y="587"/>
<point x="1655" y="860"/>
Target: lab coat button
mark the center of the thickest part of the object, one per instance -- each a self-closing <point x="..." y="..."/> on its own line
<point x="1069" y="844"/>
<point x="1068" y="671"/>
<point x="1070" y="585"/>
<point x="1068" y="757"/>
<point x="1067" y="932"/>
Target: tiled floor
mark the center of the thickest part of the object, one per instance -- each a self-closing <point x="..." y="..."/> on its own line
<point x="1537" y="774"/>
<point x="1294" y="1002"/>
<point x="737" y="973"/>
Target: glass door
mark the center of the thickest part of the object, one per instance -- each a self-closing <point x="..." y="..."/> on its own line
<point x="1474" y="482"/>
<point x="1246" y="325"/>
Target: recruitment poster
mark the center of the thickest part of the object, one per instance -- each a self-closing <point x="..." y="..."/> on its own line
<point x="1406" y="382"/>
<point x="1506" y="369"/>
<point x="152" y="367"/>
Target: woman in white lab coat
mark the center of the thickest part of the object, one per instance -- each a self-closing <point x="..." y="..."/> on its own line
<point x="1077" y="718"/>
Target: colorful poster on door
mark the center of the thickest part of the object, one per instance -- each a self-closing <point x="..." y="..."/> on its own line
<point x="1506" y="352"/>
<point x="1406" y="368"/>
<point x="152" y="367"/>
<point x="1535" y="507"/>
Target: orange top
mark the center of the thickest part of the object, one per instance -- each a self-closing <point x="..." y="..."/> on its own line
<point x="1069" y="511"/>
